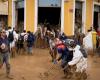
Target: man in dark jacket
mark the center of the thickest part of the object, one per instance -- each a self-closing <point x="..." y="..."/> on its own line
<point x="30" y="42"/>
<point x="4" y="51"/>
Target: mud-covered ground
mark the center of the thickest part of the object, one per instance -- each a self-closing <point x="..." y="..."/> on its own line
<point x="39" y="67"/>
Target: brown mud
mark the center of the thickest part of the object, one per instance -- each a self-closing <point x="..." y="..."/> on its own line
<point x="39" y="67"/>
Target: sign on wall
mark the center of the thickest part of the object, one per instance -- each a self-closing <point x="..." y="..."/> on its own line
<point x="49" y="3"/>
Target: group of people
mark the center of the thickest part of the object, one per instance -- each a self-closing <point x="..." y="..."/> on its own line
<point x="70" y="50"/>
<point x="11" y="43"/>
<point x="42" y="35"/>
<point x="67" y="49"/>
<point x="73" y="51"/>
<point x="20" y="41"/>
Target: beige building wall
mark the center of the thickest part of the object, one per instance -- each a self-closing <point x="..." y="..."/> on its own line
<point x="9" y="12"/>
<point x="68" y="17"/>
<point x="30" y="14"/>
<point x="89" y="14"/>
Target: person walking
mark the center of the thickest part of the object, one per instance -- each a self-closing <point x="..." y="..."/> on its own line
<point x="4" y="52"/>
<point x="11" y="34"/>
<point x="30" y="42"/>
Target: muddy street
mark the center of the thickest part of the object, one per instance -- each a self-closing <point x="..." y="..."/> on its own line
<point x="39" y="67"/>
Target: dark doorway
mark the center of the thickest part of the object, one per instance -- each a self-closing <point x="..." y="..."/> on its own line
<point x="51" y="15"/>
<point x="78" y="17"/>
<point x="95" y="22"/>
<point x="21" y="14"/>
<point x="3" y="21"/>
<point x="20" y="20"/>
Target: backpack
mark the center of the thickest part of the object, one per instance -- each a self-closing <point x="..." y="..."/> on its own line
<point x="67" y="42"/>
<point x="83" y="51"/>
<point x="10" y="36"/>
<point x="21" y="39"/>
<point x="30" y="38"/>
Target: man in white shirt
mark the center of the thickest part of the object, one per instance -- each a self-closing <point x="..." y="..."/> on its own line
<point x="79" y="61"/>
<point x="12" y="37"/>
<point x="87" y="41"/>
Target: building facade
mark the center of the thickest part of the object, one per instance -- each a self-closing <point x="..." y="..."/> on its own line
<point x="3" y="14"/>
<point x="74" y="15"/>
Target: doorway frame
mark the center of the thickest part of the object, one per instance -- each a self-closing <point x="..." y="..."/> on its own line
<point x="36" y="16"/>
<point x="83" y="15"/>
<point x="97" y="4"/>
<point x="14" y="22"/>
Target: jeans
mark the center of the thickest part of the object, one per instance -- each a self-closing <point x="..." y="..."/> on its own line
<point x="6" y="59"/>
<point x="64" y="55"/>
<point x="29" y="49"/>
<point x="64" y="61"/>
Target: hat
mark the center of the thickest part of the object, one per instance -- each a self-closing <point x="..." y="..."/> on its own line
<point x="72" y="44"/>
